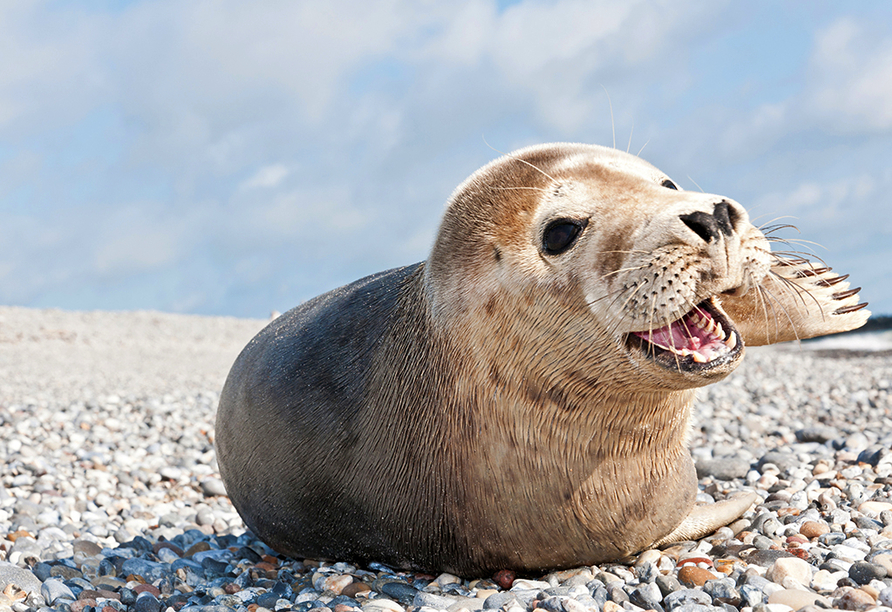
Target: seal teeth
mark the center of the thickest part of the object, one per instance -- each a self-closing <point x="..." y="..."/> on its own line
<point x="719" y="331"/>
<point x="698" y="357"/>
<point x="731" y="342"/>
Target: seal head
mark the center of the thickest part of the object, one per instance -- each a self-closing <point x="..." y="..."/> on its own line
<point x="521" y="399"/>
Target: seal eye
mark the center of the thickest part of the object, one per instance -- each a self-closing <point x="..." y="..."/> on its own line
<point x="560" y="235"/>
<point x="669" y="184"/>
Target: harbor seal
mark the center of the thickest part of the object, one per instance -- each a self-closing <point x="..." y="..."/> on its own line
<point x="521" y="399"/>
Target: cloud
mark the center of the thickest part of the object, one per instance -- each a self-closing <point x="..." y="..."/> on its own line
<point x="266" y="177"/>
<point x="828" y="204"/>
<point x="851" y="77"/>
<point x="131" y="242"/>
<point x="845" y="88"/>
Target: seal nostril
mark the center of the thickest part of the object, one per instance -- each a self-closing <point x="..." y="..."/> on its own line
<point x="703" y="224"/>
<point x="726" y="217"/>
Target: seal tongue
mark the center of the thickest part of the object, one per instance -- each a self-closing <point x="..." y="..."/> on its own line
<point x="696" y="334"/>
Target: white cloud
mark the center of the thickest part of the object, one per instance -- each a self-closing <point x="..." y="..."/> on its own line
<point x="266" y="177"/>
<point x="851" y="72"/>
<point x="845" y="89"/>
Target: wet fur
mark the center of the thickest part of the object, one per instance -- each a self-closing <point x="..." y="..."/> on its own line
<point x="480" y="410"/>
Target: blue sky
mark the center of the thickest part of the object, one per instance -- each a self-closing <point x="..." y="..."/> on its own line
<point x="237" y="158"/>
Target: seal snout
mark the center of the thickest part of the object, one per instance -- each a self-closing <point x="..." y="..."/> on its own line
<point x="724" y="220"/>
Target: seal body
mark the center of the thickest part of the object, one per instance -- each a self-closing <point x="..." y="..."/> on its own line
<point x="521" y="399"/>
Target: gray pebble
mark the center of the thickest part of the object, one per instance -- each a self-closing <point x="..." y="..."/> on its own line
<point x="399" y="591"/>
<point x="886" y="597"/>
<point x="205" y="517"/>
<point x="722" y="590"/>
<point x="616" y="593"/>
<point x="817" y="433"/>
<point x="667" y="584"/>
<point x="782" y="459"/>
<point x="686" y="596"/>
<point x="54" y="590"/>
<point x="723" y="468"/>
<point x="20" y="577"/>
<point x="149" y="570"/>
<point x="553" y="603"/>
<point x="863" y="572"/>
<point x="647" y="596"/>
<point x="212" y="487"/>
<point x="146" y="602"/>
<point x="442" y="602"/>
<point x="647" y="572"/>
<point x="857" y="441"/>
<point x="752" y="595"/>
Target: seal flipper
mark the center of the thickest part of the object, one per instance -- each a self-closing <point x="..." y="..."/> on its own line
<point x="796" y="300"/>
<point x="706" y="518"/>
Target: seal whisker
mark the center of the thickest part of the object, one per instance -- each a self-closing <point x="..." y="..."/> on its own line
<point x="672" y="344"/>
<point x="523" y="161"/>
<point x="760" y="293"/>
<point x="799" y="257"/>
<point x="642" y="146"/>
<point x="793" y="247"/>
<point x="800" y="291"/>
<point x="521" y="189"/>
<point x="609" y="274"/>
<point x="787" y="314"/>
<point x="695" y="184"/>
<point x="612" y="123"/>
<point x="764" y="227"/>
<point x="629" y="251"/>
<point x="768" y="230"/>
<point x="614" y="294"/>
<point x="791" y="241"/>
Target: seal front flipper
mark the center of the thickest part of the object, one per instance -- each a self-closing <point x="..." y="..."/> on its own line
<point x="706" y="518"/>
<point x="796" y="300"/>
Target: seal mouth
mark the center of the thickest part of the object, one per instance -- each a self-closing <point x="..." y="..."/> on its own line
<point x="702" y="339"/>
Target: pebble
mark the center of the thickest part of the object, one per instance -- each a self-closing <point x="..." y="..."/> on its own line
<point x="863" y="572"/>
<point x="854" y="599"/>
<point x="813" y="529"/>
<point x="54" y="590"/>
<point x="18" y="577"/>
<point x="382" y="605"/>
<point x="885" y="597"/>
<point x="111" y="500"/>
<point x="684" y="597"/>
<point x="691" y="575"/>
<point x="647" y="596"/>
<point x="790" y="567"/>
<point x="724" y="468"/>
<point x="797" y="598"/>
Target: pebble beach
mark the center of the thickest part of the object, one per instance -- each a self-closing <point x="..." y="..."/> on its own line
<point x="111" y="500"/>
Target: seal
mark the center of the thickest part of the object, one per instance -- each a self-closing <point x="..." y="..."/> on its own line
<point x="520" y="400"/>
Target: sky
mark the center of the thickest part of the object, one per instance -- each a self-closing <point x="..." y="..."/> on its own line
<point x="235" y="158"/>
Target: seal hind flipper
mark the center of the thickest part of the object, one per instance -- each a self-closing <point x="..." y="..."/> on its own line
<point x="706" y="518"/>
<point x="795" y="301"/>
